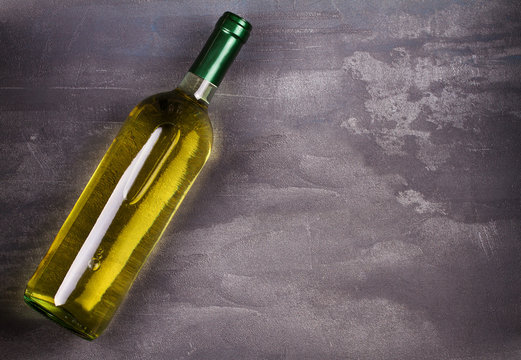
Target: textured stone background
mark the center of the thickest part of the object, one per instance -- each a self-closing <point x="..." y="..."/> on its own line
<point x="362" y="202"/>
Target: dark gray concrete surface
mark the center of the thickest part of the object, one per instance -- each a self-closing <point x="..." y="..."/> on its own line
<point x="362" y="201"/>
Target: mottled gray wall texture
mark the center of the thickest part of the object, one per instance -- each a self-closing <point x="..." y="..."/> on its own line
<point x="362" y="201"/>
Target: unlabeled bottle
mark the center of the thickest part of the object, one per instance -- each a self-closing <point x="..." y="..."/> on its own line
<point x="133" y="194"/>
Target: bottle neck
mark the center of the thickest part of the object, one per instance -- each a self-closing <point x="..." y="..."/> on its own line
<point x="221" y="48"/>
<point x="197" y="87"/>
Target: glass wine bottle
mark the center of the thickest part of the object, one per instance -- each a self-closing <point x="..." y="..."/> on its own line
<point x="133" y="194"/>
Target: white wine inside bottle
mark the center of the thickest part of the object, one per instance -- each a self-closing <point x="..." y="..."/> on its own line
<point x="123" y="210"/>
<point x="132" y="195"/>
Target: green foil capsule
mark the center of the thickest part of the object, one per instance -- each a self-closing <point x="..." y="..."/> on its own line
<point x="230" y="33"/>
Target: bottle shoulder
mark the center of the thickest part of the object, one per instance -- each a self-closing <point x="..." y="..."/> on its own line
<point x="172" y="107"/>
<point x="166" y="101"/>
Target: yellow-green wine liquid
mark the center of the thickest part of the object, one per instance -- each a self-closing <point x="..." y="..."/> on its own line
<point x="122" y="212"/>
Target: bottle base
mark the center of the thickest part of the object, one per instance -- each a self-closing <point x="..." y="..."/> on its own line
<point x="60" y="316"/>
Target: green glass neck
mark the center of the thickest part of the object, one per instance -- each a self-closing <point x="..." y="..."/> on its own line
<point x="197" y="87"/>
<point x="208" y="69"/>
<point x="221" y="48"/>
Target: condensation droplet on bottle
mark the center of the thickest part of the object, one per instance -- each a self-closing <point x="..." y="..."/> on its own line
<point x="94" y="264"/>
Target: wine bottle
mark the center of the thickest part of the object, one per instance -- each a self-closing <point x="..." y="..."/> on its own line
<point x="133" y="194"/>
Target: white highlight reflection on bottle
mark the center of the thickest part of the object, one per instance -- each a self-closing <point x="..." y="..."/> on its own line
<point x="89" y="247"/>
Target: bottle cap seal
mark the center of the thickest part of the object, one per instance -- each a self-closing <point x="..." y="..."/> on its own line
<point x="230" y="33"/>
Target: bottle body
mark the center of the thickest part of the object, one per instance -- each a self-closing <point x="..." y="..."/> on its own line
<point x="122" y="212"/>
